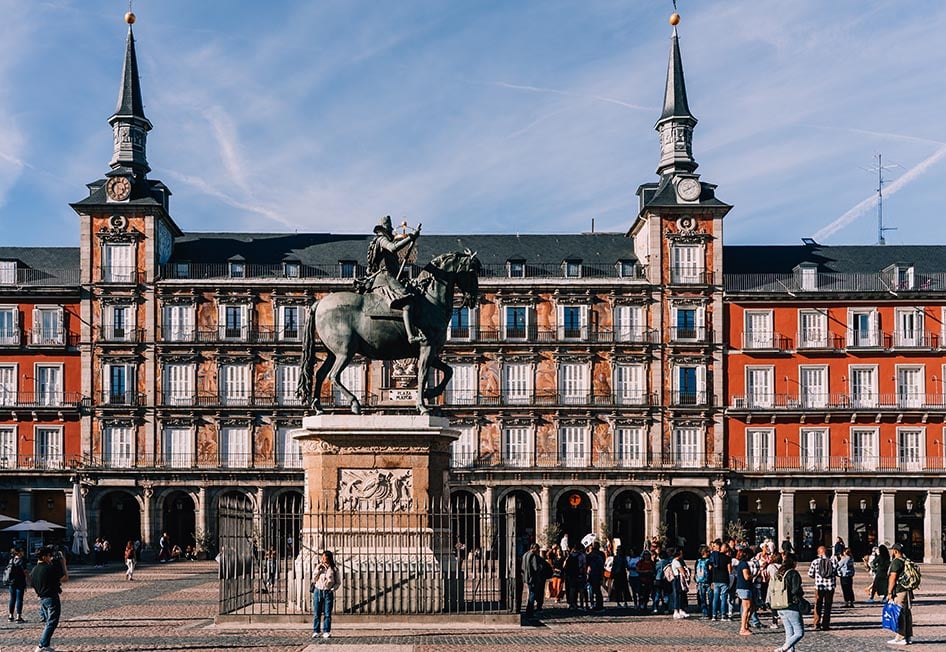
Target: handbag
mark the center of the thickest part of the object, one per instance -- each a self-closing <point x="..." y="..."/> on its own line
<point x="890" y="617"/>
<point x="804" y="607"/>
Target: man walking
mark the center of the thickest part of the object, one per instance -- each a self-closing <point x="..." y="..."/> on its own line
<point x="533" y="576"/>
<point x="595" y="560"/>
<point x="824" y="571"/>
<point x="48" y="576"/>
<point x="900" y="596"/>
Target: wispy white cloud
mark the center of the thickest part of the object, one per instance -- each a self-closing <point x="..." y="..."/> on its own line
<point x="865" y="205"/>
<point x="555" y="91"/>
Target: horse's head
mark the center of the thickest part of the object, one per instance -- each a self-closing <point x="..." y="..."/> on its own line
<point x="464" y="269"/>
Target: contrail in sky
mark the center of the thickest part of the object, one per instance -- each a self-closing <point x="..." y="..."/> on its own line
<point x="555" y="91"/>
<point x="864" y="206"/>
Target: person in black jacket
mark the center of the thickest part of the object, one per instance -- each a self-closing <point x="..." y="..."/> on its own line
<point x="792" y="615"/>
<point x="48" y="576"/>
<point x="18" y="582"/>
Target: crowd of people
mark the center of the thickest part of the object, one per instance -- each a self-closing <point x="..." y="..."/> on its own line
<point x="729" y="580"/>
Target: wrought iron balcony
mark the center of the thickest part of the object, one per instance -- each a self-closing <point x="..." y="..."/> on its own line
<point x="128" y="398"/>
<point x="587" y="460"/>
<point x="765" y="341"/>
<point x="834" y="464"/>
<point x="834" y="283"/>
<point x="120" y="333"/>
<point x="688" y="399"/>
<point x="52" y="337"/>
<point x="127" y="274"/>
<point x="835" y="401"/>
<point x="688" y="276"/>
<point x="12" y="399"/>
<point x="10" y="337"/>
<point x="222" y="460"/>
<point x="688" y="334"/>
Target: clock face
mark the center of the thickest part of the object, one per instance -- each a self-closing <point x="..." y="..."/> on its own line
<point x="689" y="189"/>
<point x="118" y="188"/>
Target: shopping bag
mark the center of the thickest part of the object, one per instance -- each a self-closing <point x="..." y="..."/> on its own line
<point x="891" y="616"/>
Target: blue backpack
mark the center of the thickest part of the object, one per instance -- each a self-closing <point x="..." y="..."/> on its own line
<point x="702" y="571"/>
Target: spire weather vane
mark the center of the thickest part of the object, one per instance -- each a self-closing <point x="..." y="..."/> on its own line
<point x="879" y="169"/>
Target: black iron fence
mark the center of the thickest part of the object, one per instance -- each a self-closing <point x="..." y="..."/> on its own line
<point x="389" y="563"/>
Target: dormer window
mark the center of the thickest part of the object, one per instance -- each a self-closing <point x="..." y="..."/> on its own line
<point x="807" y="276"/>
<point x="901" y="276"/>
<point x="292" y="269"/>
<point x="347" y="268"/>
<point x="237" y="268"/>
<point x="627" y="269"/>
<point x="182" y="270"/>
<point x="7" y="272"/>
<point x="572" y="268"/>
<point x="516" y="268"/>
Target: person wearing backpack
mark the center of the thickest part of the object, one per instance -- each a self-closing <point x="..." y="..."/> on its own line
<point x="824" y="571"/>
<point x="903" y="578"/>
<point x="846" y="573"/>
<point x="786" y="596"/>
<point x="16" y="577"/>
<point x="702" y="571"/>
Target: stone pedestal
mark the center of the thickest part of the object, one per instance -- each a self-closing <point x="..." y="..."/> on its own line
<point x="375" y="495"/>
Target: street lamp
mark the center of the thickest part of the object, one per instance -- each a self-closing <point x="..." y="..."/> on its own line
<point x="863" y="505"/>
<point x="909" y="505"/>
<point x="812" y="504"/>
<point x="686" y="505"/>
<point x="758" y="504"/>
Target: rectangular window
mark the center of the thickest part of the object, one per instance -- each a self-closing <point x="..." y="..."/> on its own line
<point x="7" y="272"/>
<point x="910" y="386"/>
<point x="9" y="326"/>
<point x="863" y="386"/>
<point x="48" y="384"/>
<point x="235" y="384"/>
<point x="686" y="264"/>
<point x="48" y="447"/>
<point x="864" y="448"/>
<point x="686" y="325"/>
<point x="179" y="323"/>
<point x="760" y="449"/>
<point x="759" y="386"/>
<point x="515" y="322"/>
<point x="629" y="323"/>
<point x="863" y="329"/>
<point x="119" y="325"/>
<point x="910" y="449"/>
<point x="814" y="448"/>
<point x="463" y="450"/>
<point x="47" y="327"/>
<point x="348" y="268"/>
<point x="809" y="278"/>
<point x="517" y="268"/>
<point x="688" y="390"/>
<point x="573" y="446"/>
<point x="759" y="333"/>
<point x="517" y="447"/>
<point x="118" y="263"/>
<point x="814" y="386"/>
<point x="289" y="327"/>
<point x="627" y="269"/>
<point x="462" y="387"/>
<point x="460" y="324"/>
<point x="234" y="322"/>
<point x="287" y="378"/>
<point x="630" y="386"/>
<point x="235" y="447"/>
<point x="8" y="384"/>
<point x="119" y="384"/>
<point x="687" y="447"/>
<point x="118" y="447"/>
<point x="292" y="270"/>
<point x="573" y="384"/>
<point x="289" y="452"/>
<point x="812" y="329"/>
<point x="237" y="270"/>
<point x="908" y="332"/>
<point x="572" y="269"/>
<point x="517" y="383"/>
<point x="573" y="322"/>
<point x="178" y="447"/>
<point x="352" y="377"/>
<point x="182" y="270"/>
<point x="8" y="459"/>
<point x="629" y="447"/>
<point x="179" y="384"/>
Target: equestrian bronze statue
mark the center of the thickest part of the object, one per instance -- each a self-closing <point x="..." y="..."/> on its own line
<point x="388" y="318"/>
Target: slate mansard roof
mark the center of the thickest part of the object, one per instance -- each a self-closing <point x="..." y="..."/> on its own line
<point x="43" y="266"/>
<point x="842" y="259"/>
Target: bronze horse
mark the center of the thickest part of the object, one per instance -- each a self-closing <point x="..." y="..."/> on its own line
<point x="349" y="323"/>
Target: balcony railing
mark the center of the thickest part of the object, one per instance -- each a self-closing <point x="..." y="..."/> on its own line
<point x="10" y="337"/>
<point x="237" y="399"/>
<point x="52" y="277"/>
<point x="588" y="460"/>
<point x="688" y="334"/>
<point x="52" y="337"/>
<point x="689" y="398"/>
<point x="531" y="334"/>
<point x="834" y="464"/>
<point x="765" y="341"/>
<point x="687" y="276"/>
<point x="547" y="398"/>
<point x="119" y="274"/>
<point x="113" y="333"/>
<point x="242" y="334"/>
<point x="915" y="340"/>
<point x="125" y="398"/>
<point x="160" y="461"/>
<point x="39" y="463"/>
<point x="10" y="399"/>
<point x="853" y="282"/>
<point x="834" y="401"/>
<point x="819" y="340"/>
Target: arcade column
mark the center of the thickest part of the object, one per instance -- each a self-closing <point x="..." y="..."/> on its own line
<point x="786" y="516"/>
<point x="933" y="527"/>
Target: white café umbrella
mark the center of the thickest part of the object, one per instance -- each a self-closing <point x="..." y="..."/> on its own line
<point x="80" y="527"/>
<point x="8" y="519"/>
<point x="46" y="526"/>
<point x="28" y="526"/>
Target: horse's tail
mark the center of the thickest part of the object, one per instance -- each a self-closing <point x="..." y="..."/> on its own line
<point x="307" y="365"/>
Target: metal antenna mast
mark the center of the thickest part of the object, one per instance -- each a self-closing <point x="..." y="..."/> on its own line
<point x="879" y="169"/>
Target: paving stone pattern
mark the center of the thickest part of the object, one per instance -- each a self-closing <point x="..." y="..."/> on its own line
<point x="171" y="607"/>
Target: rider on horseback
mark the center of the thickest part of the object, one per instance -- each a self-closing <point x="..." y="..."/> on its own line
<point x="384" y="267"/>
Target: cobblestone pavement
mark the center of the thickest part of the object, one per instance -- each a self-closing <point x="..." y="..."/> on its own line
<point x="172" y="606"/>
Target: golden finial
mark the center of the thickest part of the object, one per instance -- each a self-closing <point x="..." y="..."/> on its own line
<point x="674" y="19"/>
<point x="129" y="16"/>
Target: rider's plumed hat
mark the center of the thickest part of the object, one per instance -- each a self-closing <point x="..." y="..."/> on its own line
<point x="384" y="225"/>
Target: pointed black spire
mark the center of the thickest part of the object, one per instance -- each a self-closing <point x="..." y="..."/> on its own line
<point x="676" y="122"/>
<point x="129" y="124"/>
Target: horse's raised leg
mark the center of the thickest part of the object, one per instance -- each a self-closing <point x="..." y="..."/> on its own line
<point x="336" y="376"/>
<point x="447" y="370"/>
<point x="320" y="374"/>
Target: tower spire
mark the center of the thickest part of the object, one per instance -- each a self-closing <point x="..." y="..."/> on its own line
<point x="676" y="123"/>
<point x="130" y="127"/>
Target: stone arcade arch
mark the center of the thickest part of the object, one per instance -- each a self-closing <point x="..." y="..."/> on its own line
<point x="119" y="520"/>
<point x="627" y="519"/>
<point x="178" y="518"/>
<point x="685" y="518"/>
<point x="573" y="514"/>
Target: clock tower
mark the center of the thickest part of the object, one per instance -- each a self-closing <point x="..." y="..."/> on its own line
<point x="126" y="235"/>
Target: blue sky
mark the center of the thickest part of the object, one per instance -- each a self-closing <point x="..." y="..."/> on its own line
<point x="477" y="115"/>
